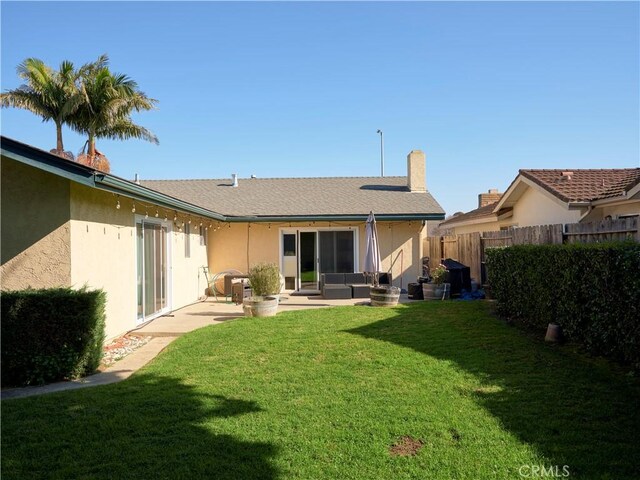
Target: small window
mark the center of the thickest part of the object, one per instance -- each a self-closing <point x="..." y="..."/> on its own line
<point x="203" y="236"/>
<point x="289" y="244"/>
<point x="187" y="240"/>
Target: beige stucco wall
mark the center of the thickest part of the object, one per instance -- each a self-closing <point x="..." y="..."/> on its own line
<point x="35" y="243"/>
<point x="239" y="246"/>
<point x="103" y="255"/>
<point x="188" y="280"/>
<point x="537" y="208"/>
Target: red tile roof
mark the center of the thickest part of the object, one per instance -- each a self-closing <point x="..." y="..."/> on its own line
<point x="585" y="185"/>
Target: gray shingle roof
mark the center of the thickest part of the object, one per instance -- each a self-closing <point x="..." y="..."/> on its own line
<point x="301" y="196"/>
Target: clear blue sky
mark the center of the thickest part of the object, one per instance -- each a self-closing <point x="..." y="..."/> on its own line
<point x="299" y="89"/>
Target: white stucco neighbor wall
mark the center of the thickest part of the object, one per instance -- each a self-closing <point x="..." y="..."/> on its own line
<point x="479" y="227"/>
<point x="536" y="208"/>
<point x="632" y="208"/>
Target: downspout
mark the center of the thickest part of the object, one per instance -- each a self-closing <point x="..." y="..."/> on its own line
<point x="586" y="214"/>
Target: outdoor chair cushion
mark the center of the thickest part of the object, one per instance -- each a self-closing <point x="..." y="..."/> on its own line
<point x="360" y="291"/>
<point x="333" y="278"/>
<point x="336" y="291"/>
<point x="354" y="278"/>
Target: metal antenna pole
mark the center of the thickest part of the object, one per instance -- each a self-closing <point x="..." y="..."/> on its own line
<point x="381" y="153"/>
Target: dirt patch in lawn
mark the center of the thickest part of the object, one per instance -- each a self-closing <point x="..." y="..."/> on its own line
<point x="406" y="447"/>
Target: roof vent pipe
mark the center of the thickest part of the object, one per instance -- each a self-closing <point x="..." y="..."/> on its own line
<point x="136" y="179"/>
<point x="234" y="177"/>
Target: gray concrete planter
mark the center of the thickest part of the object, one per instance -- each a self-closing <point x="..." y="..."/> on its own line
<point x="260" y="306"/>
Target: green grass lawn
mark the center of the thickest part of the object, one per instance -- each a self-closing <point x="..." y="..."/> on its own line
<point x="325" y="393"/>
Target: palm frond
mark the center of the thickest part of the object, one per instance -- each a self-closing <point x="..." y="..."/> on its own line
<point x="124" y="129"/>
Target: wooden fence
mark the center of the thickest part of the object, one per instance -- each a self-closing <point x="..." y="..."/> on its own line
<point x="469" y="248"/>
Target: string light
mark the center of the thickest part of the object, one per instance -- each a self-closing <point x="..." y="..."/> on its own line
<point x="165" y="217"/>
<point x="157" y="213"/>
<point x="175" y="217"/>
<point x="118" y="205"/>
<point x="146" y="214"/>
<point x="133" y="210"/>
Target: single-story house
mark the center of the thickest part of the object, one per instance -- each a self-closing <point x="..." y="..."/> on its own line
<point x="546" y="197"/>
<point x="145" y="242"/>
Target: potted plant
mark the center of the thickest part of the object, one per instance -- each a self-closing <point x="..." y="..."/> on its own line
<point x="264" y="279"/>
<point x="438" y="289"/>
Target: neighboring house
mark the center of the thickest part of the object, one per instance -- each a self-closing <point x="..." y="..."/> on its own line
<point x="546" y="197"/>
<point x="144" y="243"/>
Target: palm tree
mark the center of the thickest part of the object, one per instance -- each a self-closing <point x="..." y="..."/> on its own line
<point x="52" y="95"/>
<point x="109" y="100"/>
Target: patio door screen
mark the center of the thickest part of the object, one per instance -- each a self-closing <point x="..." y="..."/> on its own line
<point x="336" y="251"/>
<point x="152" y="275"/>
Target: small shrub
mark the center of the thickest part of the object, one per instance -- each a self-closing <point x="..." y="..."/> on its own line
<point x="264" y="279"/>
<point x="591" y="290"/>
<point x="50" y="334"/>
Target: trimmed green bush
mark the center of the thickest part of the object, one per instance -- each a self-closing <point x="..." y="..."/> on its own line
<point x="51" y="334"/>
<point x="591" y="290"/>
<point x="264" y="279"/>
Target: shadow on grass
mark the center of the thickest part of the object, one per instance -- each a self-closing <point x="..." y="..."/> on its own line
<point x="147" y="427"/>
<point x="575" y="411"/>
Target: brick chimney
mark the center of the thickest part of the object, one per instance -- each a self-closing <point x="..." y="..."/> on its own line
<point x="417" y="171"/>
<point x="491" y="196"/>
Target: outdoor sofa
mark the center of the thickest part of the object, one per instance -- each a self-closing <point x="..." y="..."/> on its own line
<point x="349" y="285"/>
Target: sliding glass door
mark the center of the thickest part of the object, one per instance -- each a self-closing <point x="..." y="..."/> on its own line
<point x="152" y="269"/>
<point x="308" y="253"/>
<point x="336" y="252"/>
<point x="308" y="259"/>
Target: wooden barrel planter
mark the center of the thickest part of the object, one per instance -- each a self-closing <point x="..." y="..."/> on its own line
<point x="435" y="291"/>
<point x="385" y="296"/>
<point x="260" y="306"/>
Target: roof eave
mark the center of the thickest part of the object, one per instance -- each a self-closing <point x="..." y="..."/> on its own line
<point x="119" y="186"/>
<point x="332" y="218"/>
<point x="88" y="176"/>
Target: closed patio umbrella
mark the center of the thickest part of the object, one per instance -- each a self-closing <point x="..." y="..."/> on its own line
<point x="372" y="249"/>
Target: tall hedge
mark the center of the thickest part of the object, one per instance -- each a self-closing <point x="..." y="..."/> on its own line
<point x="591" y="290"/>
<point x="50" y="334"/>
